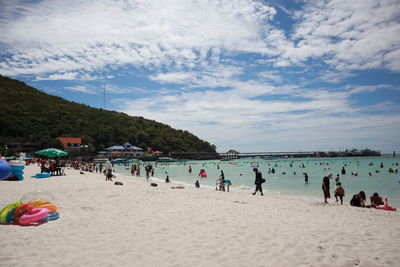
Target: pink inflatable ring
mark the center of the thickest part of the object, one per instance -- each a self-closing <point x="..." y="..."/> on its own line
<point x="33" y="216"/>
<point x="386" y="206"/>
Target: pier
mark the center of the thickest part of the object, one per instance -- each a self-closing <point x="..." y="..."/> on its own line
<point x="232" y="154"/>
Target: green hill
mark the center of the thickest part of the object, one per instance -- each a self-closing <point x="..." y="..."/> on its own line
<point x="37" y="117"/>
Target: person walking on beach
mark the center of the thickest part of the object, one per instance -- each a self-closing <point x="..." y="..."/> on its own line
<point x="258" y="181"/>
<point x="138" y="171"/>
<point x="339" y="192"/>
<point x="325" y="187"/>
<point x="133" y="169"/>
<point x="148" y="169"/>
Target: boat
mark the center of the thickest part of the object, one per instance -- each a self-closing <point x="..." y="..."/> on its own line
<point x="168" y="159"/>
<point x="165" y="159"/>
<point x="100" y="160"/>
<point x="120" y="161"/>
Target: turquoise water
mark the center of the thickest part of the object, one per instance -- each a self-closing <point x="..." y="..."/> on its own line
<point x="240" y="172"/>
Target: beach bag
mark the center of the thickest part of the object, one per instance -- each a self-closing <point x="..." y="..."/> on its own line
<point x="154" y="184"/>
<point x="262" y="180"/>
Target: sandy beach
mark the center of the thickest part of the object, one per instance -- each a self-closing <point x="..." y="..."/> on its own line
<point x="103" y="224"/>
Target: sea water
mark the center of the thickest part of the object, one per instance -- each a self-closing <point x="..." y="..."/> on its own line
<point x="288" y="178"/>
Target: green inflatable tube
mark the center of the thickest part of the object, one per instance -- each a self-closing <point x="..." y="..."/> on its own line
<point x="7" y="213"/>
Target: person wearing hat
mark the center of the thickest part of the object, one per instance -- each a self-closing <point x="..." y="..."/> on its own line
<point x="258" y="181"/>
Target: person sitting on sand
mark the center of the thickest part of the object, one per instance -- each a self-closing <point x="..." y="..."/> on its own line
<point x="197" y="184"/>
<point x="358" y="200"/>
<point x="376" y="200"/>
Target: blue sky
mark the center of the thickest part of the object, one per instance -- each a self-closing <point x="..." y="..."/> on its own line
<point x="245" y="75"/>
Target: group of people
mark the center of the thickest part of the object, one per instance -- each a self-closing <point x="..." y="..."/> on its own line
<point x="358" y="200"/>
<point x="222" y="182"/>
<point x="54" y="167"/>
<point x="135" y="170"/>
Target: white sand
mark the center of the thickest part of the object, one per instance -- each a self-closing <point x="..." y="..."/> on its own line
<point x="103" y="224"/>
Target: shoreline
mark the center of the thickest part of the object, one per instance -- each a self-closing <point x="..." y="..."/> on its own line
<point x="139" y="225"/>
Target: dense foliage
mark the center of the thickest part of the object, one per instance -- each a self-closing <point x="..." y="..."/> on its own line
<point x="29" y="115"/>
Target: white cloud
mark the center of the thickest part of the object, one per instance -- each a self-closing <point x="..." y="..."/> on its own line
<point x="62" y="76"/>
<point x="253" y="123"/>
<point x="81" y="89"/>
<point x="347" y="35"/>
<point x="271" y="76"/>
<point x="48" y="36"/>
<point x="174" y="77"/>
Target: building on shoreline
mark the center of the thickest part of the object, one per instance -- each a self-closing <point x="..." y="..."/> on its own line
<point x="126" y="150"/>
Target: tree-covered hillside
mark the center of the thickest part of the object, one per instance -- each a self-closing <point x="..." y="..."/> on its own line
<point x="29" y="115"/>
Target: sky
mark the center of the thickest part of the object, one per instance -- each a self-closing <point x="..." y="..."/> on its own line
<point x="254" y="76"/>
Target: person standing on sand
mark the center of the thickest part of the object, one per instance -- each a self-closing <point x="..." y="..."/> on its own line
<point x="258" y="181"/>
<point x="138" y="171"/>
<point x="325" y="187"/>
<point x="108" y="169"/>
<point x="132" y="171"/>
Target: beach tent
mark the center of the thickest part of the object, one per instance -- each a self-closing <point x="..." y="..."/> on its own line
<point x="52" y="152"/>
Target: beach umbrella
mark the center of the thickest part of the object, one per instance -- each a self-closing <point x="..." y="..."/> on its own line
<point x="52" y="152"/>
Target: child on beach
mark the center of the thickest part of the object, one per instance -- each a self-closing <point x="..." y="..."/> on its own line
<point x="339" y="192"/>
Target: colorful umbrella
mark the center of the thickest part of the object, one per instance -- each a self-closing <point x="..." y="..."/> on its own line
<point x="52" y="152"/>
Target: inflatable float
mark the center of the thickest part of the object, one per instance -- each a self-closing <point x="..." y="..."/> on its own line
<point x="34" y="208"/>
<point x="34" y="216"/>
<point x="43" y="175"/>
<point x="203" y="173"/>
<point x="5" y="169"/>
<point x="17" y="167"/>
<point x="7" y="213"/>
<point x="26" y="207"/>
<point x="51" y="217"/>
<point x="386" y="206"/>
<point x="44" y="204"/>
